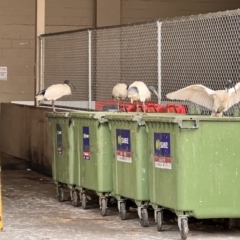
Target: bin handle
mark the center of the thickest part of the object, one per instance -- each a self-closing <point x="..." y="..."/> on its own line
<point x="195" y="126"/>
<point x="138" y="119"/>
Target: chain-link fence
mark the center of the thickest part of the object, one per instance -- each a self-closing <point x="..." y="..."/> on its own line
<point x="167" y="54"/>
<point x="65" y="57"/>
<point x="94" y="60"/>
<point x="201" y="49"/>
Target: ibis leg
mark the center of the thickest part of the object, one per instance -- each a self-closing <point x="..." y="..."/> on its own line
<point x="53" y="105"/>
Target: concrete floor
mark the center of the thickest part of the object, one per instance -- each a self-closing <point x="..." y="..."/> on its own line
<point x="31" y="211"/>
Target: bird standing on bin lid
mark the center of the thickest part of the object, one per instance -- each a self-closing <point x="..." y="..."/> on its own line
<point x="119" y="92"/>
<point x="55" y="92"/>
<point x="217" y="101"/>
<point x="139" y="91"/>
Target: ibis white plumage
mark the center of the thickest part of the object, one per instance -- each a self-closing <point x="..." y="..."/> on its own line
<point x="119" y="92"/>
<point x="55" y="92"/>
<point x="139" y="91"/>
<point x="217" y="101"/>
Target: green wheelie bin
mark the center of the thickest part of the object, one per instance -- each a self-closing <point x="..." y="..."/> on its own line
<point x="130" y="163"/>
<point x="65" y="170"/>
<point x="194" y="167"/>
<point x="92" y="154"/>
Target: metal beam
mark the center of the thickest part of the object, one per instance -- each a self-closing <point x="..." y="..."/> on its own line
<point x="39" y="29"/>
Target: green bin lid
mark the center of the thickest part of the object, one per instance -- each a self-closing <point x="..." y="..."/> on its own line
<point x="175" y="118"/>
<point x="57" y="114"/>
<point x="123" y="116"/>
<point x="101" y="116"/>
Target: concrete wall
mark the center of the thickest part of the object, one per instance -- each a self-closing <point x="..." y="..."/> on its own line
<point x="142" y="10"/>
<point x="26" y="134"/>
<point x="63" y="15"/>
<point x="17" y="19"/>
<point x="108" y="12"/>
<point x="17" y="39"/>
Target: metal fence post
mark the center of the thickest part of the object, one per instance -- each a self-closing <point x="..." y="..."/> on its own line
<point x="41" y="60"/>
<point x="89" y="69"/>
<point x="159" y="26"/>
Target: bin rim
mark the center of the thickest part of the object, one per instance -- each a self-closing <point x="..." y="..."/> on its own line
<point x="100" y="116"/>
<point x="134" y="116"/>
<point x="57" y="114"/>
<point x="174" y="118"/>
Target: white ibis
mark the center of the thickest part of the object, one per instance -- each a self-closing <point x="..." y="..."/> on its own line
<point x="140" y="91"/>
<point x="119" y="92"/>
<point x="217" y="101"/>
<point x="55" y="92"/>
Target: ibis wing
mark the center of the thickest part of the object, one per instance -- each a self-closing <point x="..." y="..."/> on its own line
<point x="57" y="91"/>
<point x="138" y="84"/>
<point x="119" y="91"/>
<point x="198" y="94"/>
<point x="234" y="95"/>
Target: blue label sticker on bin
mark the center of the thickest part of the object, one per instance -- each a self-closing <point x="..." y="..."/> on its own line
<point x="86" y="143"/>
<point x="162" y="150"/>
<point x="123" y="142"/>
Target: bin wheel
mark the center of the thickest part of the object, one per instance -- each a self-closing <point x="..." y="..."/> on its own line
<point x="75" y="199"/>
<point x="226" y="223"/>
<point x="123" y="211"/>
<point x="184" y="228"/>
<point x="60" y="194"/>
<point x="144" y="218"/>
<point x="103" y="207"/>
<point x="159" y="220"/>
<point x="84" y="201"/>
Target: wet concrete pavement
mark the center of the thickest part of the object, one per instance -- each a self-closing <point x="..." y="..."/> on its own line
<point x="31" y="211"/>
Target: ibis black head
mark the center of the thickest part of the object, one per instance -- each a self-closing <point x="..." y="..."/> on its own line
<point x="152" y="88"/>
<point x="66" y="82"/>
<point x="69" y="83"/>
<point x="42" y="92"/>
<point x="229" y="84"/>
<point x="133" y="91"/>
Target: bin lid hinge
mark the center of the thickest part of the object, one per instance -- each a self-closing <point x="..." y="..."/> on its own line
<point x="194" y="126"/>
<point x="138" y="119"/>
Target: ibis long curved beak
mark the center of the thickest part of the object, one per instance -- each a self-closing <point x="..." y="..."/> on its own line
<point x="73" y="86"/>
<point x="151" y="88"/>
<point x="234" y="88"/>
